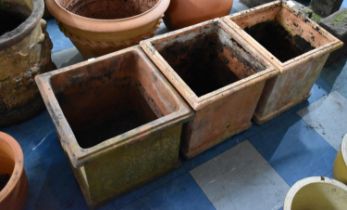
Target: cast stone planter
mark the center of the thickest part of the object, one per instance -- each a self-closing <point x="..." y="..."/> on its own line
<point x="217" y="73"/>
<point x="294" y="44"/>
<point x="118" y="120"/>
<point x="25" y="51"/>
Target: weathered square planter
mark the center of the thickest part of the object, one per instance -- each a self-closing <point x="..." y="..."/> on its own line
<point x="118" y="119"/>
<point x="296" y="46"/>
<point x="218" y="74"/>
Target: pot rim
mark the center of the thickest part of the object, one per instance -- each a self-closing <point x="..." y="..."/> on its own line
<point x="344" y="148"/>
<point x="106" y="25"/>
<point x="308" y="181"/>
<point x="17" y="34"/>
<point x="18" y="167"/>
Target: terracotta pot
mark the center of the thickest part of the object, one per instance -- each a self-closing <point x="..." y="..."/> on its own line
<point x="294" y="44"/>
<point x="340" y="166"/>
<point x="138" y="129"/>
<point x="97" y="28"/>
<point x="182" y="13"/>
<point x="13" y="194"/>
<point x="217" y="73"/>
<point x="25" y="51"/>
<point x="316" y="193"/>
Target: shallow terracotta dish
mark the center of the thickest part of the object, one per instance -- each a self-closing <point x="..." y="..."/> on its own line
<point x="13" y="181"/>
<point x="25" y="51"/>
<point x="97" y="27"/>
<point x="340" y="166"/>
<point x="218" y="74"/>
<point x="182" y="13"/>
<point x="316" y="193"/>
<point x="118" y="120"/>
<point x="294" y="44"/>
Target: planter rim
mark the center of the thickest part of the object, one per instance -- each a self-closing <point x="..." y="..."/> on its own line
<point x="316" y="52"/>
<point x="17" y="34"/>
<point x="308" y="181"/>
<point x="18" y="168"/>
<point x="106" y="25"/>
<point x="198" y="103"/>
<point x="344" y="148"/>
<point x="78" y="155"/>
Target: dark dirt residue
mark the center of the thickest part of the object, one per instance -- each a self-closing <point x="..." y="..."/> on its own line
<point x="135" y="112"/>
<point x="9" y="20"/>
<point x="110" y="9"/>
<point x="200" y="64"/>
<point x="278" y="41"/>
<point x="3" y="180"/>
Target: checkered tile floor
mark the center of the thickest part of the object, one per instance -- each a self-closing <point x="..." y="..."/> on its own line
<point x="252" y="170"/>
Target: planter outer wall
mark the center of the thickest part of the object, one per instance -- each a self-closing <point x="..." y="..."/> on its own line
<point x="13" y="196"/>
<point x="340" y="166"/>
<point x="293" y="84"/>
<point x="24" y="53"/>
<point x="138" y="155"/>
<point x="182" y="13"/>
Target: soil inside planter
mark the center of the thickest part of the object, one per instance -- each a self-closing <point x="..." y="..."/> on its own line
<point x="108" y="9"/>
<point x="3" y="180"/>
<point x="275" y="38"/>
<point x="200" y="63"/>
<point x="10" y="19"/>
<point x="134" y="113"/>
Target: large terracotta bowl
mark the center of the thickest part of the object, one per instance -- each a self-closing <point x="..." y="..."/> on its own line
<point x="97" y="27"/>
<point x="182" y="13"/>
<point x="13" y="191"/>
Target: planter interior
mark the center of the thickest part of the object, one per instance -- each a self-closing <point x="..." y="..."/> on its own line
<point x="11" y="17"/>
<point x="117" y="87"/>
<point x="107" y="9"/>
<point x="217" y="73"/>
<point x="207" y="59"/>
<point x="117" y="109"/>
<point x="283" y="32"/>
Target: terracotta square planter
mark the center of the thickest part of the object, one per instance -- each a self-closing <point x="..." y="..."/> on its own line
<point x="218" y="74"/>
<point x="118" y="120"/>
<point x="296" y="46"/>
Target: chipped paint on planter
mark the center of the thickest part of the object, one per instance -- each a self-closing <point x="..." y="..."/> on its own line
<point x="218" y="74"/>
<point x="115" y="109"/>
<point x="298" y="71"/>
<point x="25" y="51"/>
<point x="316" y="193"/>
<point x="96" y="29"/>
<point x="340" y="166"/>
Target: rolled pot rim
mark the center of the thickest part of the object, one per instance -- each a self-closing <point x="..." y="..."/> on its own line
<point x="106" y="25"/>
<point x="18" y="167"/>
<point x="17" y="34"/>
<point x="308" y="181"/>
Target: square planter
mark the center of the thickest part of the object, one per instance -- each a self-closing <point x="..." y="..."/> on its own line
<point x="218" y="74"/>
<point x="118" y="119"/>
<point x="294" y="44"/>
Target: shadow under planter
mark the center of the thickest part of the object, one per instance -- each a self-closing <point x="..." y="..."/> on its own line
<point x="218" y="75"/>
<point x="118" y="120"/>
<point x="295" y="45"/>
